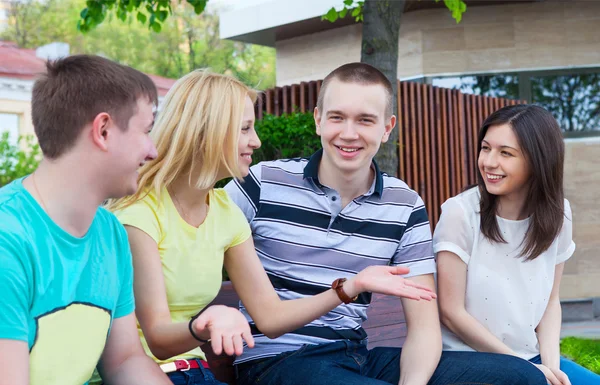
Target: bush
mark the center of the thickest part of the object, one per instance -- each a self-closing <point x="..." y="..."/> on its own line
<point x="286" y="136"/>
<point x="19" y="160"/>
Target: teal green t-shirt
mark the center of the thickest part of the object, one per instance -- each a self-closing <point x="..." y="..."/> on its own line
<point x="60" y="293"/>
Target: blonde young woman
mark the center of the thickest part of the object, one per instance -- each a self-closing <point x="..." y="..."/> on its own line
<point x="182" y="231"/>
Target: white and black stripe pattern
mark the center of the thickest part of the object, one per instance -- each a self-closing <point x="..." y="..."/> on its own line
<point x="304" y="246"/>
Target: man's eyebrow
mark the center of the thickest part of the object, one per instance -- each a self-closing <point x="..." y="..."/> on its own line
<point x="334" y="112"/>
<point x="372" y="116"/>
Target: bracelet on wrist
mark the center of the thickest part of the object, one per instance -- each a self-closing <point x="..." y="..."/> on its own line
<point x="192" y="329"/>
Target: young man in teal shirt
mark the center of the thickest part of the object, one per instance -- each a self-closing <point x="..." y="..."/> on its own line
<point x="66" y="277"/>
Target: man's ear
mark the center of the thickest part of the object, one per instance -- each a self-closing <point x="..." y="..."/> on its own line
<point x="101" y="129"/>
<point x="389" y="126"/>
<point x="317" y="116"/>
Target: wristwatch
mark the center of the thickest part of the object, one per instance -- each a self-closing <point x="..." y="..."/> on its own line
<point x="338" y="286"/>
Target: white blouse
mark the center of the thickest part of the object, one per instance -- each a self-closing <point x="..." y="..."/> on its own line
<point x="504" y="292"/>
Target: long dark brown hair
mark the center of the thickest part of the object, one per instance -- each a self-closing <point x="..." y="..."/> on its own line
<point x="541" y="141"/>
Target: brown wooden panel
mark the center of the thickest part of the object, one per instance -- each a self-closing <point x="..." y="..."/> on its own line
<point x="269" y="101"/>
<point x="312" y="98"/>
<point x="412" y="131"/>
<point x="400" y="128"/>
<point x="430" y="202"/>
<point x="303" y="96"/>
<point x="294" y="93"/>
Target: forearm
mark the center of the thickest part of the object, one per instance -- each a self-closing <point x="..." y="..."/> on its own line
<point x="137" y="369"/>
<point x="171" y="339"/>
<point x="474" y="334"/>
<point x="280" y="317"/>
<point x="548" y="334"/>
<point x="420" y="356"/>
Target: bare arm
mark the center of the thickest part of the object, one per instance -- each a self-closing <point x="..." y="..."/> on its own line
<point x="165" y="338"/>
<point x="452" y="283"/>
<point x="548" y="330"/>
<point x="422" y="349"/>
<point x="275" y="317"/>
<point x="124" y="362"/>
<point x="14" y="362"/>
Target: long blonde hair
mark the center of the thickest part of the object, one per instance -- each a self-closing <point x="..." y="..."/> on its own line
<point x="196" y="133"/>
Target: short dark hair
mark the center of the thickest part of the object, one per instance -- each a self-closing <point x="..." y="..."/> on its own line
<point x="359" y="73"/>
<point x="75" y="89"/>
<point x="541" y="141"/>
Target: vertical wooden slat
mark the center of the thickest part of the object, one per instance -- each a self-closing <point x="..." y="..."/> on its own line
<point x="406" y="131"/>
<point x="312" y="100"/>
<point x="418" y="133"/>
<point x="295" y="90"/>
<point x="269" y="101"/>
<point x="426" y="148"/>
<point x="286" y="100"/>
<point x="303" y="96"/>
<point x="435" y="182"/>
<point x="414" y="158"/>
<point x="400" y="128"/>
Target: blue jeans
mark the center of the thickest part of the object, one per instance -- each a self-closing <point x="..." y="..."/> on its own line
<point x="199" y="376"/>
<point x="349" y="363"/>
<point x="578" y="375"/>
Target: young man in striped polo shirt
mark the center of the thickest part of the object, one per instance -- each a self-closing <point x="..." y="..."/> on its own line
<point x="316" y="221"/>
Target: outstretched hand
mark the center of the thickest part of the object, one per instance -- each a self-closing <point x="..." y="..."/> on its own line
<point x="228" y="328"/>
<point x="387" y="280"/>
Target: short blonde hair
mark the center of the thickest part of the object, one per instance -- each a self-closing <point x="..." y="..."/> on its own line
<point x="196" y="132"/>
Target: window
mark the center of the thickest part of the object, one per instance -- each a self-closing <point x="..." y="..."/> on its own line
<point x="497" y="86"/>
<point x="571" y="95"/>
<point x="10" y="123"/>
<point x="574" y="100"/>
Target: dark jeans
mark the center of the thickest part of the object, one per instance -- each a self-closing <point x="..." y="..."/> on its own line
<point x="348" y="363"/>
<point x="200" y="376"/>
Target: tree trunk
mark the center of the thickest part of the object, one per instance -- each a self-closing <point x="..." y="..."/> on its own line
<point x="381" y="29"/>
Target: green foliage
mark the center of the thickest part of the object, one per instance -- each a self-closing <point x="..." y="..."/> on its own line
<point x="355" y="8"/>
<point x="186" y="42"/>
<point x="287" y="136"/>
<point x="155" y="12"/>
<point x="584" y="352"/>
<point x="18" y="160"/>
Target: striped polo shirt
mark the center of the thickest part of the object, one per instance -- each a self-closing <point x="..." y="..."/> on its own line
<point x="305" y="240"/>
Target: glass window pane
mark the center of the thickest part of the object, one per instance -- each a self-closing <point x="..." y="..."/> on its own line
<point x="497" y="86"/>
<point x="10" y="123"/>
<point x="574" y="100"/>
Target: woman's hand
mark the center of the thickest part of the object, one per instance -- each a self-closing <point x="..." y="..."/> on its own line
<point x="554" y="376"/>
<point x="228" y="328"/>
<point x="387" y="280"/>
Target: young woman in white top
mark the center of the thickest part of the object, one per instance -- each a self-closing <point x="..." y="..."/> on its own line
<point x="501" y="247"/>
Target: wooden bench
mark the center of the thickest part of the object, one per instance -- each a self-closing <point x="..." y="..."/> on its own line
<point x="386" y="326"/>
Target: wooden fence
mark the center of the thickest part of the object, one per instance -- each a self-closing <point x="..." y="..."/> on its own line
<point x="437" y="138"/>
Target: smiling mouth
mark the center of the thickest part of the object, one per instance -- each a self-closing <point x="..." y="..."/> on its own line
<point x="247" y="157"/>
<point x="494" y="177"/>
<point x="348" y="149"/>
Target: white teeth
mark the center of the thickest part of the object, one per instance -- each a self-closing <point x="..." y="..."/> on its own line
<point x="349" y="149"/>
<point x="494" y="177"/>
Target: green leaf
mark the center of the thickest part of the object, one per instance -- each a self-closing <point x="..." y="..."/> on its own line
<point x="141" y="17"/>
<point x="156" y="27"/>
<point x="356" y="12"/>
<point x="331" y="15"/>
<point x="162" y="15"/>
<point x="348" y="2"/>
<point x="343" y="13"/>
